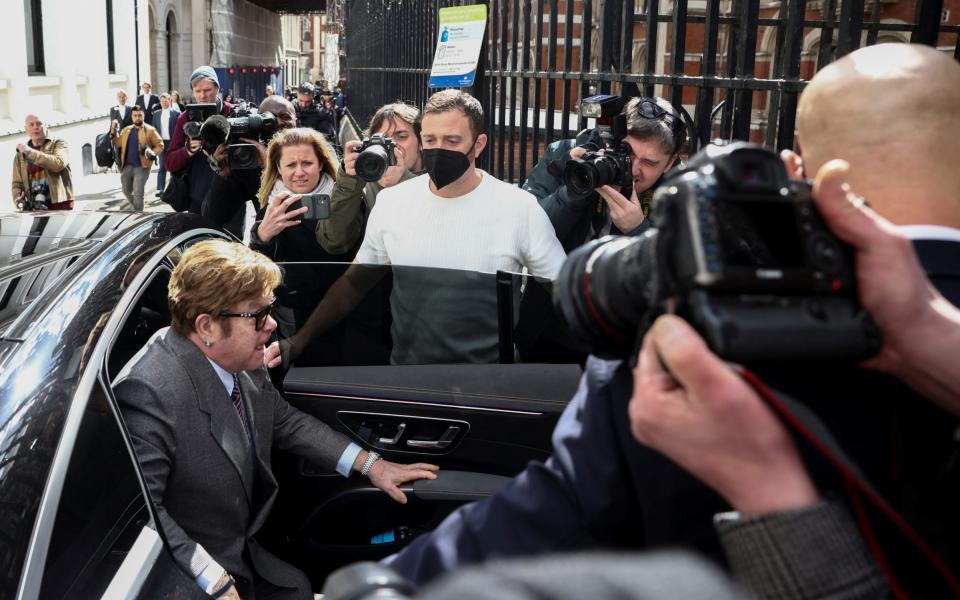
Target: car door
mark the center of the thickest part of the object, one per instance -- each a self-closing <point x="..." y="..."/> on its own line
<point x="464" y="401"/>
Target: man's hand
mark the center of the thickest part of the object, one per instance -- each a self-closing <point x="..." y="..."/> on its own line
<point x="19" y="200"/>
<point x="114" y="126"/>
<point x="921" y="329"/>
<point x="392" y="175"/>
<point x="577" y="152"/>
<point x="705" y="418"/>
<point x="261" y="150"/>
<point x="232" y="593"/>
<point x="277" y="216"/>
<point x="25" y="150"/>
<point x="793" y="163"/>
<point x="350" y="157"/>
<point x="388" y="476"/>
<point x="193" y="146"/>
<point x="625" y="214"/>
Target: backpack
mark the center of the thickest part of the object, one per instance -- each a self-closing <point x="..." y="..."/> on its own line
<point x="103" y="150"/>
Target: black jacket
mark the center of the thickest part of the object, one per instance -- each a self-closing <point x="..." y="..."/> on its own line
<point x="317" y="117"/>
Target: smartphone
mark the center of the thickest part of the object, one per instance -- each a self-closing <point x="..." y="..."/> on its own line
<point x="318" y="206"/>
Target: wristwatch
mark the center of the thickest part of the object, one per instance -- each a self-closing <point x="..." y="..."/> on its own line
<point x="372" y="457"/>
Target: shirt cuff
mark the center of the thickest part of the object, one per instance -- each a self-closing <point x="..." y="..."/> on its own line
<point x="349" y="456"/>
<point x="208" y="577"/>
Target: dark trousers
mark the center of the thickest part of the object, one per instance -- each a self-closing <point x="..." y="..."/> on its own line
<point x="161" y="169"/>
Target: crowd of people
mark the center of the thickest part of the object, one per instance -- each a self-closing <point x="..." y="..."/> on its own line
<point x="672" y="448"/>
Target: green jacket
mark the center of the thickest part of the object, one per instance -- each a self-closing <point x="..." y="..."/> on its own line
<point x="351" y="201"/>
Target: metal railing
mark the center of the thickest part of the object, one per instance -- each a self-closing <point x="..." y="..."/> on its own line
<point x="737" y="66"/>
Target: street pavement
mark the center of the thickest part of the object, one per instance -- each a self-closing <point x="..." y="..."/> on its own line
<point x="102" y="191"/>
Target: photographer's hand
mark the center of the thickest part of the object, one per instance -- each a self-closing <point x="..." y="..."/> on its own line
<point x="277" y="216"/>
<point x="350" y="157"/>
<point x="793" y="163"/>
<point x="708" y="420"/>
<point x="194" y="146"/>
<point x="921" y="329"/>
<point x="394" y="173"/>
<point x="625" y="213"/>
<point x="261" y="150"/>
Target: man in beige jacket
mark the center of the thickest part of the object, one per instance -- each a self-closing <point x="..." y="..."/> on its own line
<point x="138" y="145"/>
<point x="41" y="171"/>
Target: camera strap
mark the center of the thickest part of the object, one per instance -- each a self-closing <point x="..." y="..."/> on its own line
<point x="803" y="421"/>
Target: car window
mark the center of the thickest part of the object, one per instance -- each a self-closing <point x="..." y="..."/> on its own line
<point x="101" y="508"/>
<point x="339" y="314"/>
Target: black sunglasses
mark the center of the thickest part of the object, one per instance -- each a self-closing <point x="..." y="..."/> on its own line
<point x="648" y="109"/>
<point x="261" y="315"/>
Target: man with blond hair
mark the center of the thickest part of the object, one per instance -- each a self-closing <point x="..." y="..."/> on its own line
<point x="205" y="374"/>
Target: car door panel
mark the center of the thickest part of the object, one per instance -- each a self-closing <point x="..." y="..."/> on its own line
<point x="505" y="415"/>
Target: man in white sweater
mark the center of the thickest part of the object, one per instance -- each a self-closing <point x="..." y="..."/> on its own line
<point x="446" y="233"/>
<point x="457" y="216"/>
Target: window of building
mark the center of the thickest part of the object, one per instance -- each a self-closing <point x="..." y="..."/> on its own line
<point x="111" y="60"/>
<point x="34" y="25"/>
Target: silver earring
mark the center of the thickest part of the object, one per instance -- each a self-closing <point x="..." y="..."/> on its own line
<point x="207" y="343"/>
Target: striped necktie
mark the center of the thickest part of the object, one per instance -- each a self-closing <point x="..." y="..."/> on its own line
<point x="238" y="404"/>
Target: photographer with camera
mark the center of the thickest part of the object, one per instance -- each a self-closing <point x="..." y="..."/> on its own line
<point x="236" y="150"/>
<point x="390" y="154"/>
<point x="184" y="157"/>
<point x="41" y="171"/>
<point x="602" y="182"/>
<point x="600" y="488"/>
<point x="315" y="115"/>
<point x="137" y="146"/>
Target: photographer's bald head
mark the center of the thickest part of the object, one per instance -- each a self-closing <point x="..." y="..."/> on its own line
<point x="889" y="110"/>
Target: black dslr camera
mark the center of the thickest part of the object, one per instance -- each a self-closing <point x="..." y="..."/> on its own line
<point x="376" y="154"/>
<point x="37" y="199"/>
<point x="243" y="122"/>
<point x="612" y="167"/>
<point x="740" y="252"/>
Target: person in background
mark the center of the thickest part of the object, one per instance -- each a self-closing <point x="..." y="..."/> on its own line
<point x="41" y="171"/>
<point x="177" y="102"/>
<point x="164" y="121"/>
<point x="137" y="146"/>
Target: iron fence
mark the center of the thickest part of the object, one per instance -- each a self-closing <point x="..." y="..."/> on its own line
<point x="736" y="66"/>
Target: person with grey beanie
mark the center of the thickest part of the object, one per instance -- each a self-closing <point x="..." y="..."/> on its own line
<point x="185" y="158"/>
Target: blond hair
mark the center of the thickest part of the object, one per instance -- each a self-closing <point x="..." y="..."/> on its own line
<point x="214" y="275"/>
<point x="293" y="137"/>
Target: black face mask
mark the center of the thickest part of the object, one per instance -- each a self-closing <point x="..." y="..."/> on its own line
<point x="444" y="166"/>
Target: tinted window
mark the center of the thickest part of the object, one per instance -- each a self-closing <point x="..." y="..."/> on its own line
<point x="101" y="509"/>
<point x="368" y="315"/>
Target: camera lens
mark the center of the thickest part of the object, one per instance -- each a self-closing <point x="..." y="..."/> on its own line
<point x="579" y="176"/>
<point x="601" y="291"/>
<point x="372" y="163"/>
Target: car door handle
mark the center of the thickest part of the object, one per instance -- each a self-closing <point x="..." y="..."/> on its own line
<point x="395" y="439"/>
<point x="445" y="440"/>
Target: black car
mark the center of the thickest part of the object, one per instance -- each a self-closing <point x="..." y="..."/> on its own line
<point x="81" y="292"/>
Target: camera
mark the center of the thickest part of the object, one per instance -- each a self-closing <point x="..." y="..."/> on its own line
<point x="38" y="198"/>
<point x="244" y="122"/>
<point x="318" y="206"/>
<point x="376" y="154"/>
<point x="612" y="166"/>
<point x="200" y="112"/>
<point x="739" y="251"/>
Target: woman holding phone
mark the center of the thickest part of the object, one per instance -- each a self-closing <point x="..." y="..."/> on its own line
<point x="298" y="177"/>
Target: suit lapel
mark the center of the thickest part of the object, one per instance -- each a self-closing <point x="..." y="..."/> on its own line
<point x="212" y="399"/>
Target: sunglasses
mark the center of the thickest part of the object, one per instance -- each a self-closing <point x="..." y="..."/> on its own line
<point x="648" y="109"/>
<point x="261" y="315"/>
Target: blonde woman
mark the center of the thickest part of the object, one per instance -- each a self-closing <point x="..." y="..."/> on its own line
<point x="298" y="162"/>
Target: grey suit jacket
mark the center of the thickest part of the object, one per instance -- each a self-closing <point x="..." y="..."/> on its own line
<point x="212" y="491"/>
